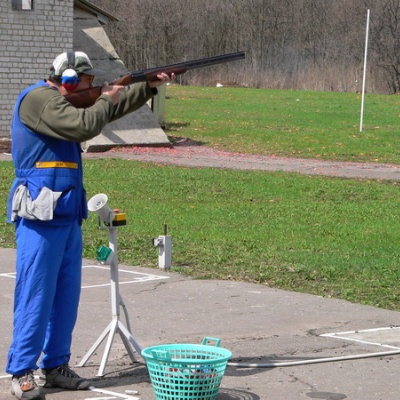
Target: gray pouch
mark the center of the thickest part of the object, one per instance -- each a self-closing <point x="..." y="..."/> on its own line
<point x="40" y="209"/>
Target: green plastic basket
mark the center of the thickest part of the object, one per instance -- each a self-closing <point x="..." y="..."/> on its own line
<point x="186" y="371"/>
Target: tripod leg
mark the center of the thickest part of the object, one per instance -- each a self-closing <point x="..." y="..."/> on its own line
<point x="127" y="345"/>
<point x="95" y="345"/>
<point x="107" y="350"/>
<point x="129" y="336"/>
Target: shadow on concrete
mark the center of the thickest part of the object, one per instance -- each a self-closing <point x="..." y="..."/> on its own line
<point x="233" y="394"/>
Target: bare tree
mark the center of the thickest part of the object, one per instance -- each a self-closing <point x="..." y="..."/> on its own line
<point x="385" y="40"/>
<point x="296" y="44"/>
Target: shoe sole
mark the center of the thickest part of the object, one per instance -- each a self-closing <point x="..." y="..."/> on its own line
<point x="82" y="386"/>
<point x="38" y="397"/>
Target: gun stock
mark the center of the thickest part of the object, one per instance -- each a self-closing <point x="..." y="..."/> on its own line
<point x="86" y="98"/>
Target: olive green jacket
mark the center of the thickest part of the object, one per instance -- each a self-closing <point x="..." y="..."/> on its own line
<point x="45" y="111"/>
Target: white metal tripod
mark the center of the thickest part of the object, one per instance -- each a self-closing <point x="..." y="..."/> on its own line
<point x="115" y="326"/>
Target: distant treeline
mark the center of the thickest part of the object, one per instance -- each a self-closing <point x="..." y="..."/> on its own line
<point x="289" y="44"/>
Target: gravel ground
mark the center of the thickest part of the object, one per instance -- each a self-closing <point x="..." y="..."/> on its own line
<point x="189" y="154"/>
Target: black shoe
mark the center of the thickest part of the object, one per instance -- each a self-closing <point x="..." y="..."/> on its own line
<point x="63" y="377"/>
<point x="24" y="387"/>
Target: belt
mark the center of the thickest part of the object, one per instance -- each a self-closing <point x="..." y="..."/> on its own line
<point x="56" y="164"/>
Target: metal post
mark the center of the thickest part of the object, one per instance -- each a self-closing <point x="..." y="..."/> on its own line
<point x="115" y="326"/>
<point x="364" y="73"/>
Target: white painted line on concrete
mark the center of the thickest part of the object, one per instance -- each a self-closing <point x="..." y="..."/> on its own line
<point x="100" y="398"/>
<point x="121" y="270"/>
<point x="363" y="342"/>
<point x="115" y="394"/>
<point x="139" y="277"/>
<point x="9" y="275"/>
<point x="340" y="335"/>
<point x="362" y="330"/>
<point x="120" y="283"/>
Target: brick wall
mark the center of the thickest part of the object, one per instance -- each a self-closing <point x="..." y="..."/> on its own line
<point x="29" y="42"/>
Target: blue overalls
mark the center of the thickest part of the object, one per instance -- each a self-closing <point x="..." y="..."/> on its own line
<point x="49" y="253"/>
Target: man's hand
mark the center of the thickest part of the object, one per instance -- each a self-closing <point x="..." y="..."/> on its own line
<point x="162" y="78"/>
<point x="114" y="91"/>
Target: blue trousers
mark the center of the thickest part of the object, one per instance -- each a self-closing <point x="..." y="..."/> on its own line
<point x="47" y="291"/>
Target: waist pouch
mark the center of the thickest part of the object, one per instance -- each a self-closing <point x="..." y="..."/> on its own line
<point x="39" y="209"/>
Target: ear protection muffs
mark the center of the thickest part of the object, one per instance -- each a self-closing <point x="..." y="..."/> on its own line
<point x="70" y="78"/>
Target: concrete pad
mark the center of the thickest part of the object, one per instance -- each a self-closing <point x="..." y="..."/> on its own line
<point x="139" y="129"/>
<point x="260" y="325"/>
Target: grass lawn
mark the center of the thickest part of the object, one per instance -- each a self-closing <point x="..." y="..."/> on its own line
<point x="321" y="125"/>
<point x="328" y="236"/>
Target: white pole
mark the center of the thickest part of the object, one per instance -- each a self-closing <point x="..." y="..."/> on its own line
<point x="364" y="73"/>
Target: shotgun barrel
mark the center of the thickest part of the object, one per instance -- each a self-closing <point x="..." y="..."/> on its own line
<point x="180" y="68"/>
<point x="86" y="98"/>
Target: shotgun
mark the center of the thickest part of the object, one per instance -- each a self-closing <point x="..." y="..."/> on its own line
<point x="86" y="98"/>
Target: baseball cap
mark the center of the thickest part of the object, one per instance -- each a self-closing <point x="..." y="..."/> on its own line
<point x="82" y="65"/>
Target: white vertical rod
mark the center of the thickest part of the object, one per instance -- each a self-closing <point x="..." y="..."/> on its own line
<point x="114" y="273"/>
<point x="364" y="73"/>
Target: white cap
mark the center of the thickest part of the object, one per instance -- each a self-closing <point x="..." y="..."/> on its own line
<point x="82" y="64"/>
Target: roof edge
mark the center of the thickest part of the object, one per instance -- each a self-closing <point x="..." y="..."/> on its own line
<point x="102" y="15"/>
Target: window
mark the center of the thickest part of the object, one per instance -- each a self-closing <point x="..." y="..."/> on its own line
<point x="22" y="4"/>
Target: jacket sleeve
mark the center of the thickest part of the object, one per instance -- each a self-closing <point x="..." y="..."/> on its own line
<point x="45" y="111"/>
<point x="132" y="98"/>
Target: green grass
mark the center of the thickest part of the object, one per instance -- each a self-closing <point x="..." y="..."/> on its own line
<point x="323" y="125"/>
<point x="327" y="236"/>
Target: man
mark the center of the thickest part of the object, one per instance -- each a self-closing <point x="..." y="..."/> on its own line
<point x="47" y="204"/>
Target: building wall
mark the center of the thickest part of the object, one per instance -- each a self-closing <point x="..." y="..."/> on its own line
<point x="29" y="41"/>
